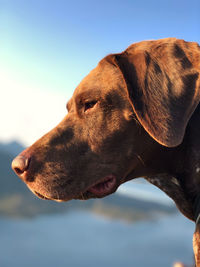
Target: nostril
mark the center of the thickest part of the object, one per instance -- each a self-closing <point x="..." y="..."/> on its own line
<point x="18" y="171"/>
<point x="20" y="165"/>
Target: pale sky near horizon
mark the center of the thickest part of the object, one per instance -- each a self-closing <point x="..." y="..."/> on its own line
<point x="47" y="47"/>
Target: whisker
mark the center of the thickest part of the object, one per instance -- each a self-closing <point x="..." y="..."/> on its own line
<point x="82" y="196"/>
<point x="140" y="159"/>
<point x="57" y="195"/>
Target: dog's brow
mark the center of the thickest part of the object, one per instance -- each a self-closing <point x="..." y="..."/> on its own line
<point x="68" y="105"/>
<point x="88" y="95"/>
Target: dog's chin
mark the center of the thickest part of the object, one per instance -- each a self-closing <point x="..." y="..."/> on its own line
<point x="40" y="195"/>
<point x="44" y="197"/>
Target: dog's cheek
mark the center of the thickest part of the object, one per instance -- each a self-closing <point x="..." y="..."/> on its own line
<point x="94" y="130"/>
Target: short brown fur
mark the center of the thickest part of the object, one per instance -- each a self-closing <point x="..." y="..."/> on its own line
<point x="143" y="120"/>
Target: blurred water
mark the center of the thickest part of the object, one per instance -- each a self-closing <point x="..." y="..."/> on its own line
<point x="141" y="189"/>
<point x="84" y="239"/>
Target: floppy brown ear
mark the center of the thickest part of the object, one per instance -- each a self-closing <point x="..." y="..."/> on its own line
<point x="163" y="84"/>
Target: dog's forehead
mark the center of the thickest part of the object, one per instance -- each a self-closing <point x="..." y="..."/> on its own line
<point x="100" y="80"/>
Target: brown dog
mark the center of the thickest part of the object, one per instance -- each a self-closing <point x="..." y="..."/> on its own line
<point x="136" y="114"/>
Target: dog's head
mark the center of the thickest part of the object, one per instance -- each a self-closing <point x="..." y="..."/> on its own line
<point x="120" y="120"/>
<point x="90" y="153"/>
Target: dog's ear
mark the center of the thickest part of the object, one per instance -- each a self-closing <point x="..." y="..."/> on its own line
<point x="163" y="85"/>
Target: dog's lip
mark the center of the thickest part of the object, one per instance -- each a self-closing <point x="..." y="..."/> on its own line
<point x="101" y="188"/>
<point x="48" y="198"/>
<point x="40" y="195"/>
<point x="105" y="186"/>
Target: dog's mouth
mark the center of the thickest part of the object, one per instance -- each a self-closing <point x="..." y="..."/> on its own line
<point x="104" y="187"/>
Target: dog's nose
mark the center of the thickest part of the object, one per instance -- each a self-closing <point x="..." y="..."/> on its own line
<point x="20" y="165"/>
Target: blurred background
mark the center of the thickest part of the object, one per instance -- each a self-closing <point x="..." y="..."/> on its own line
<point x="46" y="48"/>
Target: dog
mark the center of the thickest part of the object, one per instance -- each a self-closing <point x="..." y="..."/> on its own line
<point x="137" y="114"/>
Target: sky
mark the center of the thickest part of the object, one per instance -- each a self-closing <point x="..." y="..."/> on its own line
<point x="47" y="47"/>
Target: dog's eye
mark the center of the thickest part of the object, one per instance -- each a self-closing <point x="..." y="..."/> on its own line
<point x="88" y="105"/>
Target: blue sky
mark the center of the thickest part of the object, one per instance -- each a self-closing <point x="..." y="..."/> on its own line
<point x="49" y="46"/>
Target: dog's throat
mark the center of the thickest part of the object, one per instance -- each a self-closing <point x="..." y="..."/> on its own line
<point x="171" y="186"/>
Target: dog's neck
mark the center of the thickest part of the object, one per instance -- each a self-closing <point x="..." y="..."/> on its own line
<point x="197" y="210"/>
<point x="162" y="170"/>
<point x="196" y="237"/>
